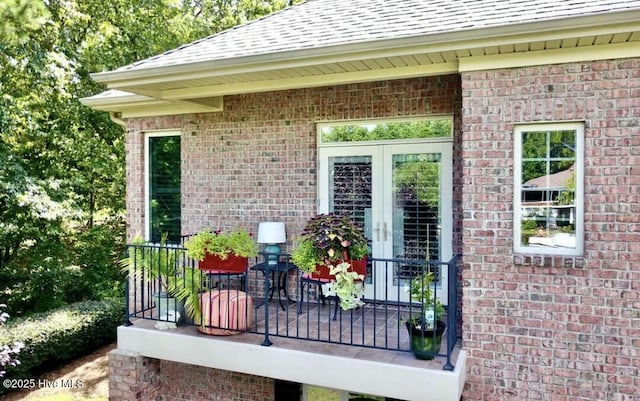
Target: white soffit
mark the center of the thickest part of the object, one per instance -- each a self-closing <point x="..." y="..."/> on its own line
<point x="129" y="105"/>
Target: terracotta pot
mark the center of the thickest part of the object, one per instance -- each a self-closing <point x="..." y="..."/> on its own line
<point x="232" y="264"/>
<point x="359" y="266"/>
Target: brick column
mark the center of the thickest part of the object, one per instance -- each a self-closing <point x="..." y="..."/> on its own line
<point x="132" y="376"/>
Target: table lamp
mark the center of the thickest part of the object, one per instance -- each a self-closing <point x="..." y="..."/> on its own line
<point x="271" y="233"/>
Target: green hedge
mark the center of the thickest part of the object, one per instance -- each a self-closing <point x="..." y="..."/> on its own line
<point x="61" y="335"/>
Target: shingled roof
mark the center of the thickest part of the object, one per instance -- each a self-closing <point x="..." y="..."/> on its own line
<point x="324" y="23"/>
<point x="332" y="42"/>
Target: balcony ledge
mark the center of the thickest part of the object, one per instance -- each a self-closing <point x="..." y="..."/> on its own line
<point x="375" y="372"/>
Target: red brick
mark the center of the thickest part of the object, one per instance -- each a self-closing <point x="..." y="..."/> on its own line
<point x="586" y="297"/>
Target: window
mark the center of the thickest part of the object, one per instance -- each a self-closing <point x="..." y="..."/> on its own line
<point x="548" y="191"/>
<point x="439" y="127"/>
<point x="162" y="186"/>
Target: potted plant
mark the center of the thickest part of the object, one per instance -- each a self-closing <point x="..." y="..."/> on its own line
<point x="425" y="329"/>
<point x="215" y="252"/>
<point x="222" y="251"/>
<point x="333" y="247"/>
<point x="159" y="264"/>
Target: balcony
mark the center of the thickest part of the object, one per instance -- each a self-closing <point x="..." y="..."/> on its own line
<point x="287" y="336"/>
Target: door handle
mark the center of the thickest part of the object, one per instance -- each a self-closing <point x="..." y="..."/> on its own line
<point x="384" y="231"/>
<point x="377" y="231"/>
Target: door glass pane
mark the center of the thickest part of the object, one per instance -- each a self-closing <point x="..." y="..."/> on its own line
<point x="416" y="211"/>
<point x="164" y="187"/>
<point x="350" y="181"/>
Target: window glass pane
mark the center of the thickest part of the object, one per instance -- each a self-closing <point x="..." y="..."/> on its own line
<point x="562" y="144"/>
<point x="533" y="173"/>
<point x="547" y="193"/>
<point x="164" y="187"/>
<point x="387" y="131"/>
<point x="534" y="145"/>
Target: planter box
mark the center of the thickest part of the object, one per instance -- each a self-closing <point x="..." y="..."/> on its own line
<point x="322" y="272"/>
<point x="232" y="264"/>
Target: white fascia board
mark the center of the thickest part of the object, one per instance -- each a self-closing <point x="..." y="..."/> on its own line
<point x="551" y="56"/>
<point x="579" y="26"/>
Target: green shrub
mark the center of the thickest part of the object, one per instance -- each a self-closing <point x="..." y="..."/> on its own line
<point x="67" y="268"/>
<point x="529" y="224"/>
<point x="60" y="335"/>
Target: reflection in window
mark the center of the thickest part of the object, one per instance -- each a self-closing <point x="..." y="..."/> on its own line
<point x="163" y="167"/>
<point x="416" y="210"/>
<point x="350" y="188"/>
<point x="548" y="209"/>
<point x="437" y="128"/>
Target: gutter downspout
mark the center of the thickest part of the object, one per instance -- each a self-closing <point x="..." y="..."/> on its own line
<point x="116" y="117"/>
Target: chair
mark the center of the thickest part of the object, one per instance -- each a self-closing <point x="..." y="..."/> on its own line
<point x="322" y="276"/>
<point x="309" y="279"/>
<point x="222" y="279"/>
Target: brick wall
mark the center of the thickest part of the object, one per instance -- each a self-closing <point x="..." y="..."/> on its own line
<point x="133" y="377"/>
<point x="256" y="160"/>
<point x="553" y="328"/>
<point x="197" y="383"/>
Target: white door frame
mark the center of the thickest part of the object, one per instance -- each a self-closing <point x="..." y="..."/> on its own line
<point x="382" y="207"/>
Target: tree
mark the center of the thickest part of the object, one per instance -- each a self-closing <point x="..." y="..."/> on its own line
<point x="61" y="163"/>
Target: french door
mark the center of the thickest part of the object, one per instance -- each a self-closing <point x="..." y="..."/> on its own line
<point x="401" y="193"/>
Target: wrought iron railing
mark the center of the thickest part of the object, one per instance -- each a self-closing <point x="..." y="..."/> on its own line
<point x="283" y="302"/>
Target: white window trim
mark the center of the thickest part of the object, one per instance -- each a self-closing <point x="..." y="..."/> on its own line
<point x="147" y="184"/>
<point x="579" y="190"/>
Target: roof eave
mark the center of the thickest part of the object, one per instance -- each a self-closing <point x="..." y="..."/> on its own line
<point x="134" y="105"/>
<point x="285" y="58"/>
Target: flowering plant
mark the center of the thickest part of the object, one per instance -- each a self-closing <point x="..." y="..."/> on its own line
<point x="329" y="239"/>
<point x="8" y="352"/>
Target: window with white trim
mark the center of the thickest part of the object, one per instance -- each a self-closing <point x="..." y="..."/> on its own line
<point x="162" y="186"/>
<point x="548" y="189"/>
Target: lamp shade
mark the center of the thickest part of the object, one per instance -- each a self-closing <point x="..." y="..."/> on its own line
<point x="271" y="232"/>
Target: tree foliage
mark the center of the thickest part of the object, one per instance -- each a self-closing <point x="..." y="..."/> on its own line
<point x="61" y="163"/>
<point x="384" y="131"/>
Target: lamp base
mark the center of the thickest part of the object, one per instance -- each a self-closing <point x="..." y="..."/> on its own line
<point x="272" y="254"/>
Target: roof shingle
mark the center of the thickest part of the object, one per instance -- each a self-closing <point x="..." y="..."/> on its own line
<point x="322" y="23"/>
